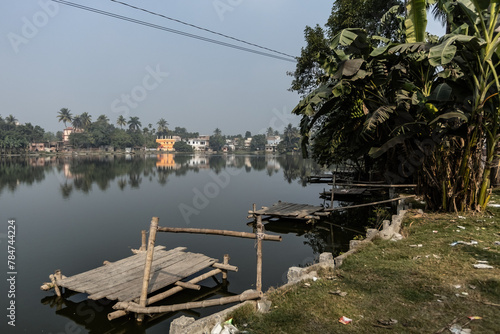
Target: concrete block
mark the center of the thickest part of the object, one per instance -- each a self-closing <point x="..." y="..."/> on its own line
<point x="294" y="274"/>
<point x="325" y="257"/>
<point x="177" y="326"/>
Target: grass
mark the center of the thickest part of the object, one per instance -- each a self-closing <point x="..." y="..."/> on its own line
<point x="426" y="289"/>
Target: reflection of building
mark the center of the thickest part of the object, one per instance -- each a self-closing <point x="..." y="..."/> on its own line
<point x="166" y="143"/>
<point x="166" y="161"/>
<point x="272" y="143"/>
<point x="45" y="147"/>
<point x="200" y="143"/>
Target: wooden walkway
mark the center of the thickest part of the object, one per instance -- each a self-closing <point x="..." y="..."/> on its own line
<point x="289" y="210"/>
<point x="345" y="194"/>
<point x="122" y="280"/>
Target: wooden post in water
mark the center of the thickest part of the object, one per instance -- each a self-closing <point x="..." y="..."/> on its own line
<point x="333" y="186"/>
<point x="258" y="283"/>
<point x="147" y="266"/>
<point x="143" y="240"/>
<point x="225" y="261"/>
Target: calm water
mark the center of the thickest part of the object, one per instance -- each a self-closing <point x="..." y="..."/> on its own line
<point x="72" y="213"/>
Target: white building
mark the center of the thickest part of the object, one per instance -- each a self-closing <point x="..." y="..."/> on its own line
<point x="200" y="143"/>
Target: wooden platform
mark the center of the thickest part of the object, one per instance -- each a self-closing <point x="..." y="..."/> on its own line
<point x="345" y="194"/>
<point x="289" y="210"/>
<point x="122" y="280"/>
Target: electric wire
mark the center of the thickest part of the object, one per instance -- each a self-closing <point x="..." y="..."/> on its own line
<point x="182" y="33"/>
<point x="201" y="28"/>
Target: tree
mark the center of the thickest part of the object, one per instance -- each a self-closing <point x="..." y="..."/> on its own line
<point x="181" y="146"/>
<point x="248" y="134"/>
<point x="77" y="122"/>
<point x="121" y="121"/>
<point x="134" y="124"/>
<point x="216" y="142"/>
<point x="86" y="120"/>
<point x="258" y="143"/>
<point x="419" y="110"/>
<point x="270" y="132"/>
<point x="103" y="119"/>
<point x="64" y="115"/>
<point x="162" y="126"/>
<point x="10" y="121"/>
<point x="365" y="14"/>
<point x="291" y="139"/>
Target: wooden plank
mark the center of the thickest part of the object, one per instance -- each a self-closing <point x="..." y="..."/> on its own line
<point x="106" y="275"/>
<point x="117" y="264"/>
<point x="117" y="285"/>
<point x="102" y="283"/>
<point x="164" y="277"/>
<point x="131" y="288"/>
<point x="379" y="185"/>
<point x="120" y="266"/>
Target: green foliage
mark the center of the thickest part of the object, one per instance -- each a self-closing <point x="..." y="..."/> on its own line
<point x="217" y="141"/>
<point x="418" y="110"/>
<point x="258" y="143"/>
<point x="182" y="146"/>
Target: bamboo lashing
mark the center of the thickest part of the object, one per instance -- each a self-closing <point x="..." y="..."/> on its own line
<point x="218" y="232"/>
<point x="225" y="262"/>
<point x="147" y="266"/>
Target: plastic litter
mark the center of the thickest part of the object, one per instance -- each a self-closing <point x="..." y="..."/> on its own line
<point x="457" y="329"/>
<point x="226" y="327"/>
<point x="475" y="317"/>
<point x="472" y="242"/>
<point x="497" y="243"/>
<point x="482" y="266"/>
<point x="345" y="320"/>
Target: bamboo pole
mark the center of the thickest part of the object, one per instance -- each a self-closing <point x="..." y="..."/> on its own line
<point x="165" y="294"/>
<point x="364" y="204"/>
<point x="218" y="232"/>
<point x="225" y="266"/>
<point x="258" y="282"/>
<point x="133" y="307"/>
<point x="225" y="262"/>
<point x="54" y="284"/>
<point x="46" y="286"/>
<point x="147" y="266"/>
<point x="187" y="285"/>
<point x="368" y="185"/>
<point x="143" y="240"/>
<point x="333" y="186"/>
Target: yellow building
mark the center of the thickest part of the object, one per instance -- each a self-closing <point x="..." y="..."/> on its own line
<point x="166" y="143"/>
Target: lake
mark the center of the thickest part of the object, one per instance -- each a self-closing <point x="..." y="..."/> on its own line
<point x="74" y="212"/>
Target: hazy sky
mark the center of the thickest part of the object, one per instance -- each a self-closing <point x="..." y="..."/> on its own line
<point x="55" y="56"/>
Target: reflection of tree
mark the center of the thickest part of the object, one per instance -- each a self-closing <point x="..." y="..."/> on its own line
<point x="122" y="183"/>
<point x="66" y="189"/>
<point x="297" y="168"/>
<point x="217" y="163"/>
<point x="15" y="171"/>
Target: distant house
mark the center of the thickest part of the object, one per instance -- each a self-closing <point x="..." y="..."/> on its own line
<point x="37" y="147"/>
<point x="166" y="143"/>
<point x="248" y="142"/>
<point x="200" y="143"/>
<point x="67" y="132"/>
<point x="272" y="143"/>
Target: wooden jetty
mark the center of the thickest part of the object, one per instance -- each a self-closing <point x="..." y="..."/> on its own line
<point x="289" y="211"/>
<point x="136" y="281"/>
<point x="345" y="194"/>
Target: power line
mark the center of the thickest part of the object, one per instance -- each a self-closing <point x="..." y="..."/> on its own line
<point x="201" y="28"/>
<point x="182" y="33"/>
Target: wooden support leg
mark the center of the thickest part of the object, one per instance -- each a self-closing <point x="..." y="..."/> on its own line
<point x="225" y="261"/>
<point x="143" y="240"/>
<point x="54" y="284"/>
<point x="147" y="267"/>
<point x="258" y="283"/>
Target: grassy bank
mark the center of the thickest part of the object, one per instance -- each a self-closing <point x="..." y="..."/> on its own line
<point x="422" y="281"/>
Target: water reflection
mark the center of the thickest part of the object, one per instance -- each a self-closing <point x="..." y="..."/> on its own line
<point x="81" y="173"/>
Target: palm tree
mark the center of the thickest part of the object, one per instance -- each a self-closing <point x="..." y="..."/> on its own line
<point x="162" y="125"/>
<point x="121" y="121"/>
<point x="10" y="120"/>
<point x="77" y="122"/>
<point x="217" y="132"/>
<point x="64" y="116"/>
<point x="134" y="123"/>
<point x="86" y="120"/>
<point x="103" y="119"/>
